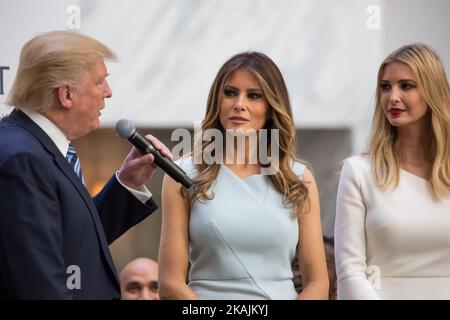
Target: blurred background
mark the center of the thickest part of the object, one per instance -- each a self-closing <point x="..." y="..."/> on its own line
<point x="170" y="51"/>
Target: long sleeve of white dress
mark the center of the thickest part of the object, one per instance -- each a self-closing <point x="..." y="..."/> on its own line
<point x="391" y="243"/>
<point x="350" y="237"/>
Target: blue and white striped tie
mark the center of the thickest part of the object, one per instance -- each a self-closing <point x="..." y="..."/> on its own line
<point x="74" y="162"/>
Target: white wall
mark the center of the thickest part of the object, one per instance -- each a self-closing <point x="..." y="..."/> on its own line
<point x="170" y="51"/>
<point x="410" y="21"/>
<point x="20" y="20"/>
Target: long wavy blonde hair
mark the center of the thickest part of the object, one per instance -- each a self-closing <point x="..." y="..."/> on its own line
<point x="384" y="146"/>
<point x="294" y="191"/>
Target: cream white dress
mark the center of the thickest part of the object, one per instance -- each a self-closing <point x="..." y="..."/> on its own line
<point x="392" y="244"/>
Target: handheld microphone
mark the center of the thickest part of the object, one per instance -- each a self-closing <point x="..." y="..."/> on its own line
<point x="125" y="129"/>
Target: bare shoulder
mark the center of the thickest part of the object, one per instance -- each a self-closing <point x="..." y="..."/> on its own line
<point x="308" y="176"/>
<point x="309" y="180"/>
<point x="171" y="193"/>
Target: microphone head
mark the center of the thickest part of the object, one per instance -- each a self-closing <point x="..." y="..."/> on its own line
<point x="125" y="128"/>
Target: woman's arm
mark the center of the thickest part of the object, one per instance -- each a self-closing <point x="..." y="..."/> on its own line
<point x="174" y="244"/>
<point x="311" y="253"/>
<point x="350" y="238"/>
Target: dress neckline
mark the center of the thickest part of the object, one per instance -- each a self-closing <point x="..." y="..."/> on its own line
<point x="243" y="179"/>
<point x="414" y="175"/>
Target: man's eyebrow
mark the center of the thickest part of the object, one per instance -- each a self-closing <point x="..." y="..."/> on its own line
<point x="132" y="283"/>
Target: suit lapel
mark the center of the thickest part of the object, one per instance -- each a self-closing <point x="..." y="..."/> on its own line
<point x="21" y="119"/>
<point x="64" y="166"/>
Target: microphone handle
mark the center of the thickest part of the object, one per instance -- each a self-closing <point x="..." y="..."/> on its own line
<point x="141" y="143"/>
<point x="172" y="169"/>
<point x="167" y="165"/>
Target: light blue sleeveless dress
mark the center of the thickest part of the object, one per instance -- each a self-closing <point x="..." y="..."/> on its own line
<point x="243" y="241"/>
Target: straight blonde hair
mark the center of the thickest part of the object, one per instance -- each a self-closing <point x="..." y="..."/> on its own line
<point x="52" y="60"/>
<point x="384" y="142"/>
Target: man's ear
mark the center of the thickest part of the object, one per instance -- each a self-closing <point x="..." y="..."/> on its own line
<point x="65" y="96"/>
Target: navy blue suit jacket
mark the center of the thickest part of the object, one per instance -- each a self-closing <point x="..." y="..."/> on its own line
<point x="49" y="222"/>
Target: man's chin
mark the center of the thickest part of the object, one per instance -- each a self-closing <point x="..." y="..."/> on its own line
<point x="95" y="125"/>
